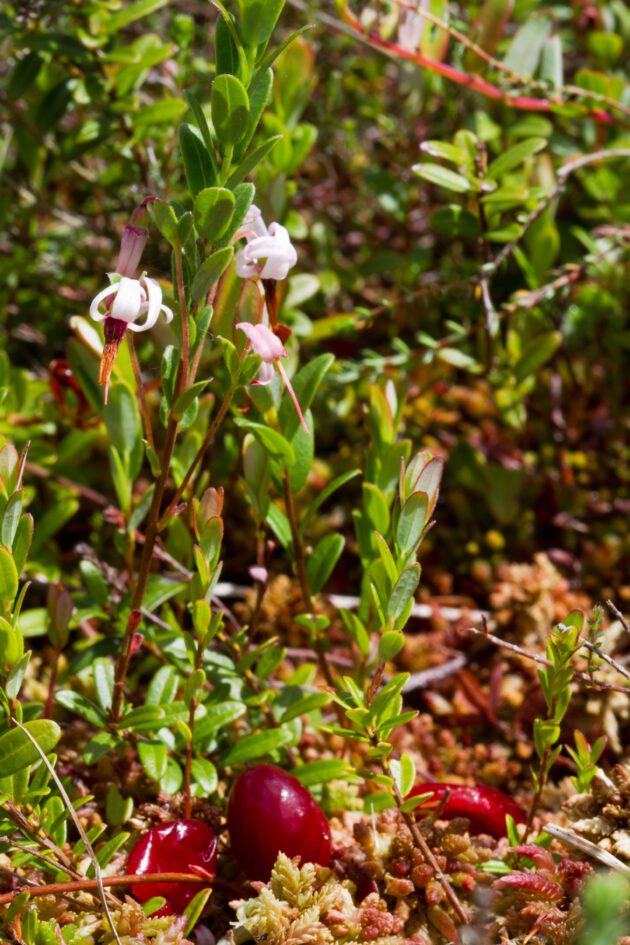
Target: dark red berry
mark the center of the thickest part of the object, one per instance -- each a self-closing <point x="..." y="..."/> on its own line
<point x="484" y="806"/>
<point x="173" y="848"/>
<point x="271" y="812"/>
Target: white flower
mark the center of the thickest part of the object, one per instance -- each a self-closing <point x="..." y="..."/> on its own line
<point x="128" y="300"/>
<point x="269" y="252"/>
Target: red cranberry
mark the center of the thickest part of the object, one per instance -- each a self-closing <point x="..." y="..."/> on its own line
<point x="485" y="807"/>
<point x="271" y="812"/>
<point x="173" y="848"/>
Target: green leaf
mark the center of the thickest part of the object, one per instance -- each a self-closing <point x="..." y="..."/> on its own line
<point x="210" y="272"/>
<point x="8" y="576"/>
<point x="104" y="682"/>
<point x="186" y="398"/>
<point x="403" y="591"/>
<point x="143" y="718"/>
<point x="443" y="177"/>
<point x="304" y="706"/>
<point x="205" y="774"/>
<point x="251" y="160"/>
<point x="357" y="630"/>
<point x="272" y="441"/>
<point x="132" y="12"/>
<point x="11" y="518"/>
<point x="328" y="491"/>
<point x="194" y="686"/>
<point x="94" y="581"/>
<point x="24" y="74"/>
<point x="411" y="803"/>
<point x="321" y="772"/>
<point x="257" y="745"/>
<point x="11" y="644"/>
<point x="17" y="751"/>
<point x="258" y="94"/>
<point x="390" y="645"/>
<point x="524" y="51"/>
<point x="163" y="687"/>
<point x="321" y="563"/>
<point x="22" y="541"/>
<point x="452" y="220"/>
<point x="101" y="744"/>
<point x="515" y="156"/>
<point x="411" y="523"/>
<point x="122" y="419"/>
<point x="213" y="211"/>
<point x="225" y="50"/>
<point x="258" y="19"/>
<point x="243" y="196"/>
<point x="230" y="109"/>
<point x="120" y="479"/>
<point x="16" y="676"/>
<point x="279" y="525"/>
<point x="449" y="152"/>
<point x="194" y="909"/>
<point x="303" y="445"/>
<point x="165" y="220"/>
<point x="217" y="717"/>
<point x="376" y="507"/>
<point x="197" y="161"/>
<point x="535" y="354"/>
<point x="82" y="706"/>
<point x="551" y="62"/>
<point x="153" y="756"/>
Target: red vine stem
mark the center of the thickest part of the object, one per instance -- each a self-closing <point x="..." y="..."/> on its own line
<point x="471" y="81"/>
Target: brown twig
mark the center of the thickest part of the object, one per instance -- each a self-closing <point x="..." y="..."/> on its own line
<point x="596" y="686"/>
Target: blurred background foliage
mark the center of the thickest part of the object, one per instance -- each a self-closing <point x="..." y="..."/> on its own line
<point x="517" y="374"/>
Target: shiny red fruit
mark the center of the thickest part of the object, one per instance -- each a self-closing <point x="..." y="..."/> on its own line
<point x="271" y="812"/>
<point x="173" y="848"/>
<point x="485" y="807"/>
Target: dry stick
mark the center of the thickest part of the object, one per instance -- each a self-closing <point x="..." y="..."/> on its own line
<point x="88" y="885"/>
<point x="73" y="814"/>
<point x="620" y="617"/>
<point x="24" y="824"/>
<point x="488" y="306"/>
<point x="596" y="686"/>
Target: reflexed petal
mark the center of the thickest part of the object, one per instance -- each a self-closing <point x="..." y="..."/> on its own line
<point x="153" y="307"/>
<point x="244" y="268"/>
<point x="103" y="294"/>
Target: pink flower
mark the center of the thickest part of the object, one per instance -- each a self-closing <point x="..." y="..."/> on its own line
<point x="269" y="252"/>
<point x="269" y="347"/>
